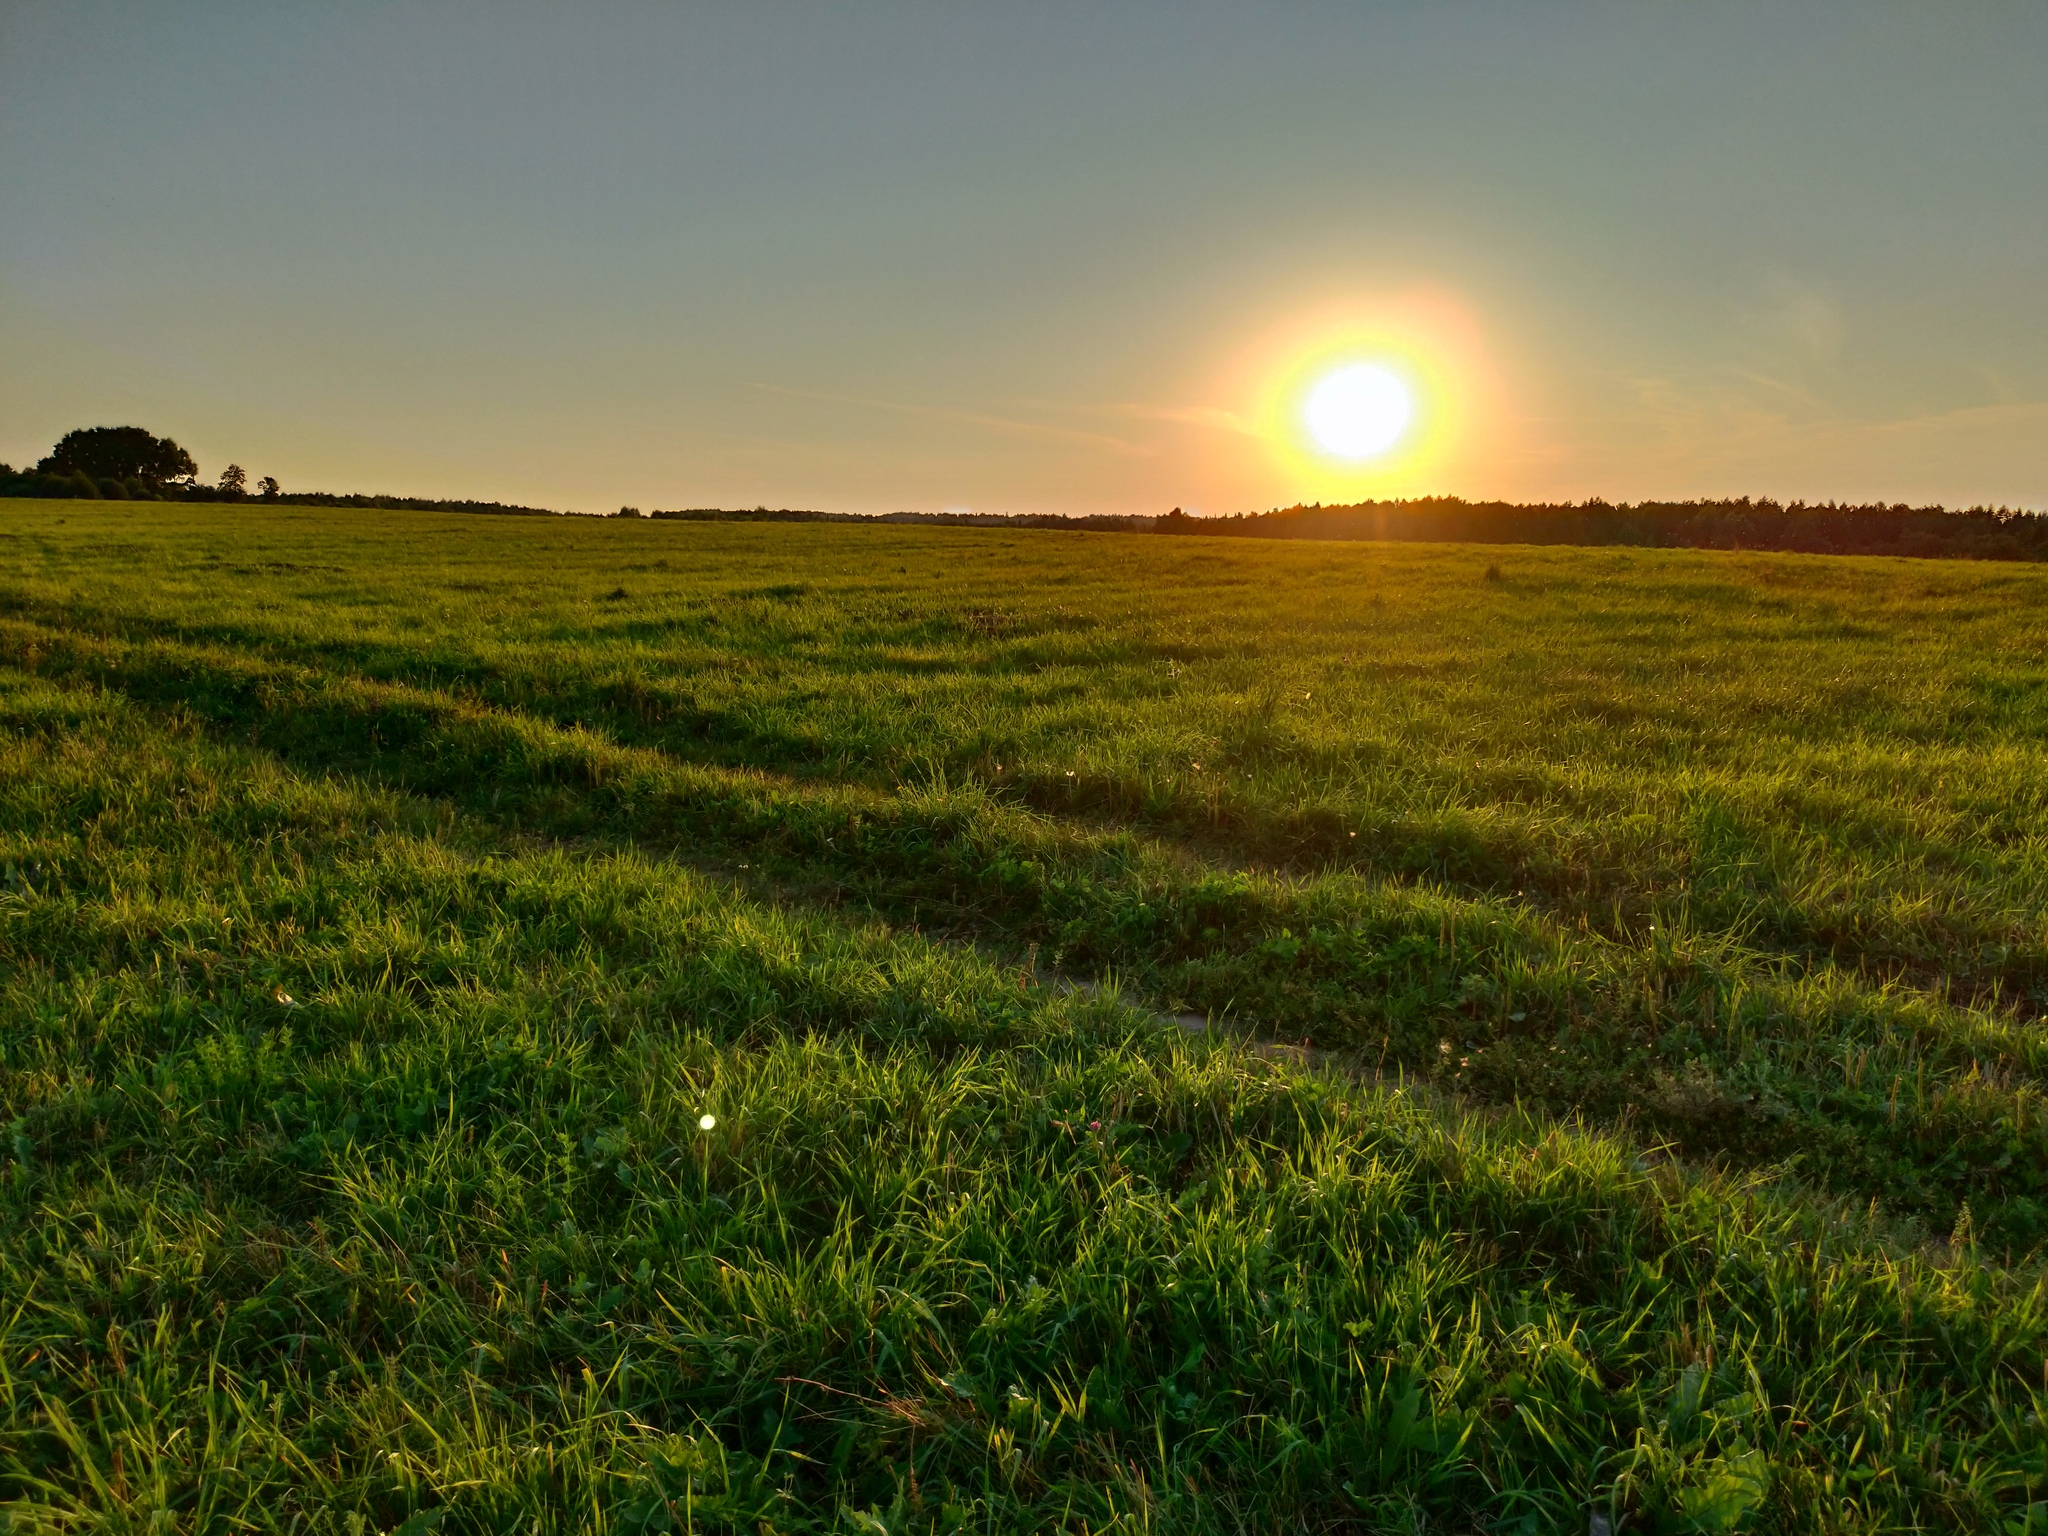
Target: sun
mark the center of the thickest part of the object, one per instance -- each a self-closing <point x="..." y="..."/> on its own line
<point x="1358" y="399"/>
<point x="1358" y="412"/>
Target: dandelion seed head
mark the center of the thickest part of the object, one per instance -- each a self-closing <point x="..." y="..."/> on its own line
<point x="706" y="1122"/>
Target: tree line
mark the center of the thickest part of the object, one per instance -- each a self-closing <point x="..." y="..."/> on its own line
<point x="1835" y="528"/>
<point x="128" y="463"/>
<point x="1832" y="528"/>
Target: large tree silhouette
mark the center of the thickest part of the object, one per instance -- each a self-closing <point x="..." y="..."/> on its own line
<point x="120" y="453"/>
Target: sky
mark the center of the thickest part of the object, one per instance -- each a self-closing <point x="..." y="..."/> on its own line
<point x="1033" y="257"/>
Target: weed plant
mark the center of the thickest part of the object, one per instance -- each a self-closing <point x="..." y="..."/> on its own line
<point x="638" y="1027"/>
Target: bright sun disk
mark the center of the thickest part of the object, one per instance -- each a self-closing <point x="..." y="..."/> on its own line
<point x="1359" y="411"/>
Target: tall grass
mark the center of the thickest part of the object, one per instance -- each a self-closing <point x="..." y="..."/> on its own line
<point x="387" y="898"/>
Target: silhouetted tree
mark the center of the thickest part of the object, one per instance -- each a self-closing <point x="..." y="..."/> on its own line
<point x="268" y="488"/>
<point x="233" y="483"/>
<point x="120" y="453"/>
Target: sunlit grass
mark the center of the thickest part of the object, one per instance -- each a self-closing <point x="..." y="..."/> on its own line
<point x="574" y="1023"/>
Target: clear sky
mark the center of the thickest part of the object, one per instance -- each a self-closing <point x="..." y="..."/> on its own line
<point x="1033" y="257"/>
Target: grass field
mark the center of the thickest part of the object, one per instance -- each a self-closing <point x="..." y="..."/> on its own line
<point x="1622" y="1091"/>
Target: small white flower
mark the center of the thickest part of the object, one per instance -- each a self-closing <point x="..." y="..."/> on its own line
<point x="706" y="1122"/>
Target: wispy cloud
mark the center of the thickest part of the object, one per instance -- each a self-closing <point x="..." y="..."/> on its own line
<point x="1213" y="417"/>
<point x="1755" y="431"/>
<point x="1010" y="424"/>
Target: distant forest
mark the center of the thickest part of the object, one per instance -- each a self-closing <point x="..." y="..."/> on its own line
<point x="1978" y="533"/>
<point x="127" y="464"/>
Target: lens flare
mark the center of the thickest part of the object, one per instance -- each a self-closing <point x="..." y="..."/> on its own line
<point x="1358" y="412"/>
<point x="1367" y="399"/>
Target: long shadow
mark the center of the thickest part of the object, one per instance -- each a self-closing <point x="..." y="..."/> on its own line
<point x="1483" y="854"/>
<point x="1703" y="1048"/>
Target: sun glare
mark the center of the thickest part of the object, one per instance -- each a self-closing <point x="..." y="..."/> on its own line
<point x="1364" y="400"/>
<point x="1358" y="412"/>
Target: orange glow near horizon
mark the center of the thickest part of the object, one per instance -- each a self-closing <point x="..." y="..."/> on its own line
<point x="1419" y="349"/>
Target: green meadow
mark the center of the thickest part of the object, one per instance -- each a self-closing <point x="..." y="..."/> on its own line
<point x="520" y="1025"/>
